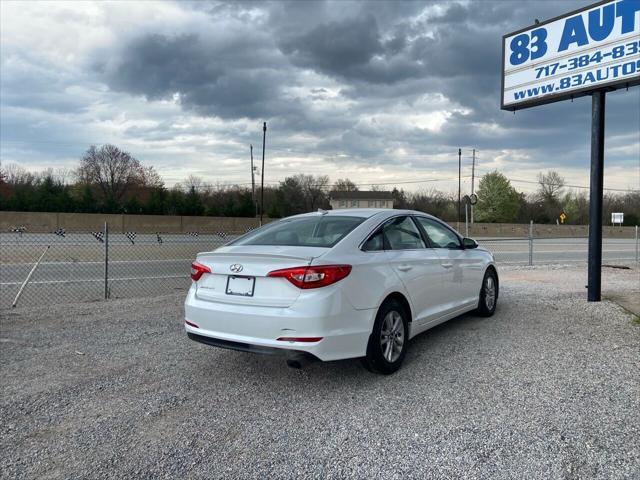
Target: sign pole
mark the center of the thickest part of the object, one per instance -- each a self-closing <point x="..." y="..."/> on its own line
<point x="595" y="196"/>
<point x="264" y="135"/>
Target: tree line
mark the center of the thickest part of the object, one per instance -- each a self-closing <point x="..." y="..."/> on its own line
<point x="110" y="180"/>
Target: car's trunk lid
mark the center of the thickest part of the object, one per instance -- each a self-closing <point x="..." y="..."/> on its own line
<point x="239" y="274"/>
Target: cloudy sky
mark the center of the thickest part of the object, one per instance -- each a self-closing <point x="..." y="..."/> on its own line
<point x="380" y="92"/>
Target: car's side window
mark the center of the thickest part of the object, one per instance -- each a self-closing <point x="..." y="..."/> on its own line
<point x="402" y="234"/>
<point x="439" y="235"/>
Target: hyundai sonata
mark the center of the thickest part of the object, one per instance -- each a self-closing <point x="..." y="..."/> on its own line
<point x="338" y="284"/>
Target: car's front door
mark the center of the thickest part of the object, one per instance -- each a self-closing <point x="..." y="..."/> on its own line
<point x="462" y="271"/>
<point x="418" y="267"/>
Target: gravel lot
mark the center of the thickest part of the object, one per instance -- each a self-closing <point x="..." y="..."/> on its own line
<point x="547" y="388"/>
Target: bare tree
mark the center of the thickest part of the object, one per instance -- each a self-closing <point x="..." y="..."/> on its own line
<point x="551" y="184"/>
<point x="63" y="175"/>
<point x="148" y="177"/>
<point x="192" y="182"/>
<point x="314" y="189"/>
<point x="14" y="174"/>
<point x="113" y="170"/>
<point x="344" y="185"/>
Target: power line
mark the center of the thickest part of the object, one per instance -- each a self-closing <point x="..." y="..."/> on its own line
<point x="401" y="182"/>
<point x="585" y="187"/>
<point x="515" y="180"/>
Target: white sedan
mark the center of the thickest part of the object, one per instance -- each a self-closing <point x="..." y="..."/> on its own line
<point x="338" y="284"/>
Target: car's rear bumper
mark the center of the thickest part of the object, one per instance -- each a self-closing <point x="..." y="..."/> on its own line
<point x="344" y="331"/>
<point x="247" y="347"/>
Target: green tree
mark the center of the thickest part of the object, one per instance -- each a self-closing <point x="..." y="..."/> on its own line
<point x="87" y="200"/>
<point x="157" y="201"/>
<point x="192" y="203"/>
<point x="399" y="198"/>
<point x="498" y="201"/>
<point x="576" y="207"/>
<point x="290" y="198"/>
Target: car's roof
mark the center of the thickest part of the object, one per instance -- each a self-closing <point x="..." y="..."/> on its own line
<point x="362" y="212"/>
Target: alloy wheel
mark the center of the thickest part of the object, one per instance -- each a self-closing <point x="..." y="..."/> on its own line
<point x="392" y="336"/>
<point x="490" y="292"/>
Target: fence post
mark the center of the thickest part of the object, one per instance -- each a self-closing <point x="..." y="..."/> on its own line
<point x="637" y="258"/>
<point x="106" y="261"/>
<point x="531" y="243"/>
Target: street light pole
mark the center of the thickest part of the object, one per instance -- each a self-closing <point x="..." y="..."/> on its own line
<point x="473" y="177"/>
<point x="459" y="183"/>
<point x="264" y="135"/>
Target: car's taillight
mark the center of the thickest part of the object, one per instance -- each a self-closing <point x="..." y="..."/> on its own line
<point x="197" y="269"/>
<point x="313" y="277"/>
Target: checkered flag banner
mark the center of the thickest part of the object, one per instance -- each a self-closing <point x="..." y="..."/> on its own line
<point x="192" y="234"/>
<point x="221" y="234"/>
<point x="21" y="229"/>
<point x="98" y="236"/>
<point x="249" y="229"/>
<point x="159" y="238"/>
<point x="131" y="236"/>
<point x="59" y="232"/>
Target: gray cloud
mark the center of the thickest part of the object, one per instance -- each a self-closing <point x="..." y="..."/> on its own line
<point x="320" y="73"/>
<point x="219" y="80"/>
<point x="336" y="48"/>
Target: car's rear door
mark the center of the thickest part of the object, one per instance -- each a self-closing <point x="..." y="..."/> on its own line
<point x="417" y="266"/>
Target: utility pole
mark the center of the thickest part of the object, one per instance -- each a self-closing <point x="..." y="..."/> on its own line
<point x="253" y="184"/>
<point x="459" y="183"/>
<point x="473" y="177"/>
<point x="264" y="135"/>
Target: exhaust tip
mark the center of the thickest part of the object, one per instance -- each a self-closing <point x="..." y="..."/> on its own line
<point x="294" y="364"/>
<point x="299" y="360"/>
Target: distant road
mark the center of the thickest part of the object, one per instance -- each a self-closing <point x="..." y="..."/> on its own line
<point x="559" y="250"/>
<point x="76" y="270"/>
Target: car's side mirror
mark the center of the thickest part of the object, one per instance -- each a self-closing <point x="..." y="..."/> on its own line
<point x="469" y="243"/>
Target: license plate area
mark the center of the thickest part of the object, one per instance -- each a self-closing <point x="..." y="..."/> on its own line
<point x="239" y="285"/>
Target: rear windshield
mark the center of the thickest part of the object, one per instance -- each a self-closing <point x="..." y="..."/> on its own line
<point x="316" y="231"/>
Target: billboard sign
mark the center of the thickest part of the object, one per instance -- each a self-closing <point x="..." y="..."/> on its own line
<point x="592" y="48"/>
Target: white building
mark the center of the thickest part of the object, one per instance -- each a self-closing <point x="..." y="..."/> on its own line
<point x="361" y="199"/>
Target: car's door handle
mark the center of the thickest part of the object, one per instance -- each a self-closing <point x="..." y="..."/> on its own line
<point x="405" y="268"/>
<point x="447" y="265"/>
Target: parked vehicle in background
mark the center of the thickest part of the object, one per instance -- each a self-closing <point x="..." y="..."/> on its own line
<point x="338" y="284"/>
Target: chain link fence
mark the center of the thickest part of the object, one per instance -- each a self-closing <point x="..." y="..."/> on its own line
<point x="89" y="266"/>
<point x="61" y="267"/>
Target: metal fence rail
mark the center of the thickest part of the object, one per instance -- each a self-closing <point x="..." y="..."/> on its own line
<point x="538" y="251"/>
<point x="93" y="266"/>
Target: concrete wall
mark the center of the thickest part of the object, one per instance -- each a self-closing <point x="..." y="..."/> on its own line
<point x="48" y="222"/>
<point x="539" y="230"/>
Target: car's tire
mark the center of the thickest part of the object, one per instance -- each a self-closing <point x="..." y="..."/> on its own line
<point x="488" y="299"/>
<point x="389" y="339"/>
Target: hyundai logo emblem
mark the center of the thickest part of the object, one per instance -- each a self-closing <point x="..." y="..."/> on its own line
<point x="236" y="268"/>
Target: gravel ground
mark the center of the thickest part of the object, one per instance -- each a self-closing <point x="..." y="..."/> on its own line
<point x="547" y="388"/>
